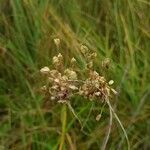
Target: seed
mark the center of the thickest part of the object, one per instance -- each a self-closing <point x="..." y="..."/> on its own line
<point x="60" y="57"/>
<point x="73" y="87"/>
<point x="114" y="91"/>
<point x="45" y="70"/>
<point x="57" y="41"/>
<point x="97" y="93"/>
<point x="111" y="82"/>
<point x="84" y="49"/>
<point x="98" y="117"/>
<point x="53" y="98"/>
<point x="44" y="88"/>
<point x="73" y="60"/>
<point x="55" y="60"/>
<point x="56" y="80"/>
<point x="106" y="63"/>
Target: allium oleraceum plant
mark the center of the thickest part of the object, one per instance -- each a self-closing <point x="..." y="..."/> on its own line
<point x="64" y="83"/>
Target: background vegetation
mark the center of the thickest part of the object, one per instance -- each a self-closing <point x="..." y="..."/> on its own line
<point x="117" y="29"/>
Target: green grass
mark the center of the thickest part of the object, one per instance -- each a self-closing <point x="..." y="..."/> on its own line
<point x="118" y="30"/>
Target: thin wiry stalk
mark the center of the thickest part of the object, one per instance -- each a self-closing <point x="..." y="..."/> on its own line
<point x="87" y="117"/>
<point x="72" y="110"/>
<point x="123" y="129"/>
<point x="108" y="132"/>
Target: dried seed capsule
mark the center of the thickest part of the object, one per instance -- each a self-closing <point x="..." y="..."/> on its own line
<point x="45" y="70"/>
<point x="111" y="82"/>
<point x="73" y="87"/>
<point x="90" y="65"/>
<point x="60" y="57"/>
<point x="84" y="49"/>
<point x="55" y="60"/>
<point x="93" y="55"/>
<point x="57" y="80"/>
<point x="71" y="74"/>
<point x="53" y="98"/>
<point x="98" y="117"/>
<point x="57" y="41"/>
<point x="73" y="60"/>
<point x="97" y="93"/>
<point x="44" y="88"/>
<point x="106" y="63"/>
<point x="114" y="91"/>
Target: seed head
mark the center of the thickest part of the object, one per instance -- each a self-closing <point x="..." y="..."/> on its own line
<point x="64" y="83"/>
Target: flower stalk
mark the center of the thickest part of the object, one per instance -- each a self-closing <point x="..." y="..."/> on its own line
<point x="64" y="122"/>
<point x="64" y="83"/>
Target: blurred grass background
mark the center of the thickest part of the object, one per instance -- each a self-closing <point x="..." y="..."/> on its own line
<point x="118" y="29"/>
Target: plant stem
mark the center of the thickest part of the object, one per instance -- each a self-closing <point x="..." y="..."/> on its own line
<point x="123" y="129"/>
<point x="63" y="120"/>
<point x="72" y="110"/>
<point x="108" y="132"/>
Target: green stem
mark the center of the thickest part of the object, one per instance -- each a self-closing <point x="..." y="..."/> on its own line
<point x="63" y="120"/>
